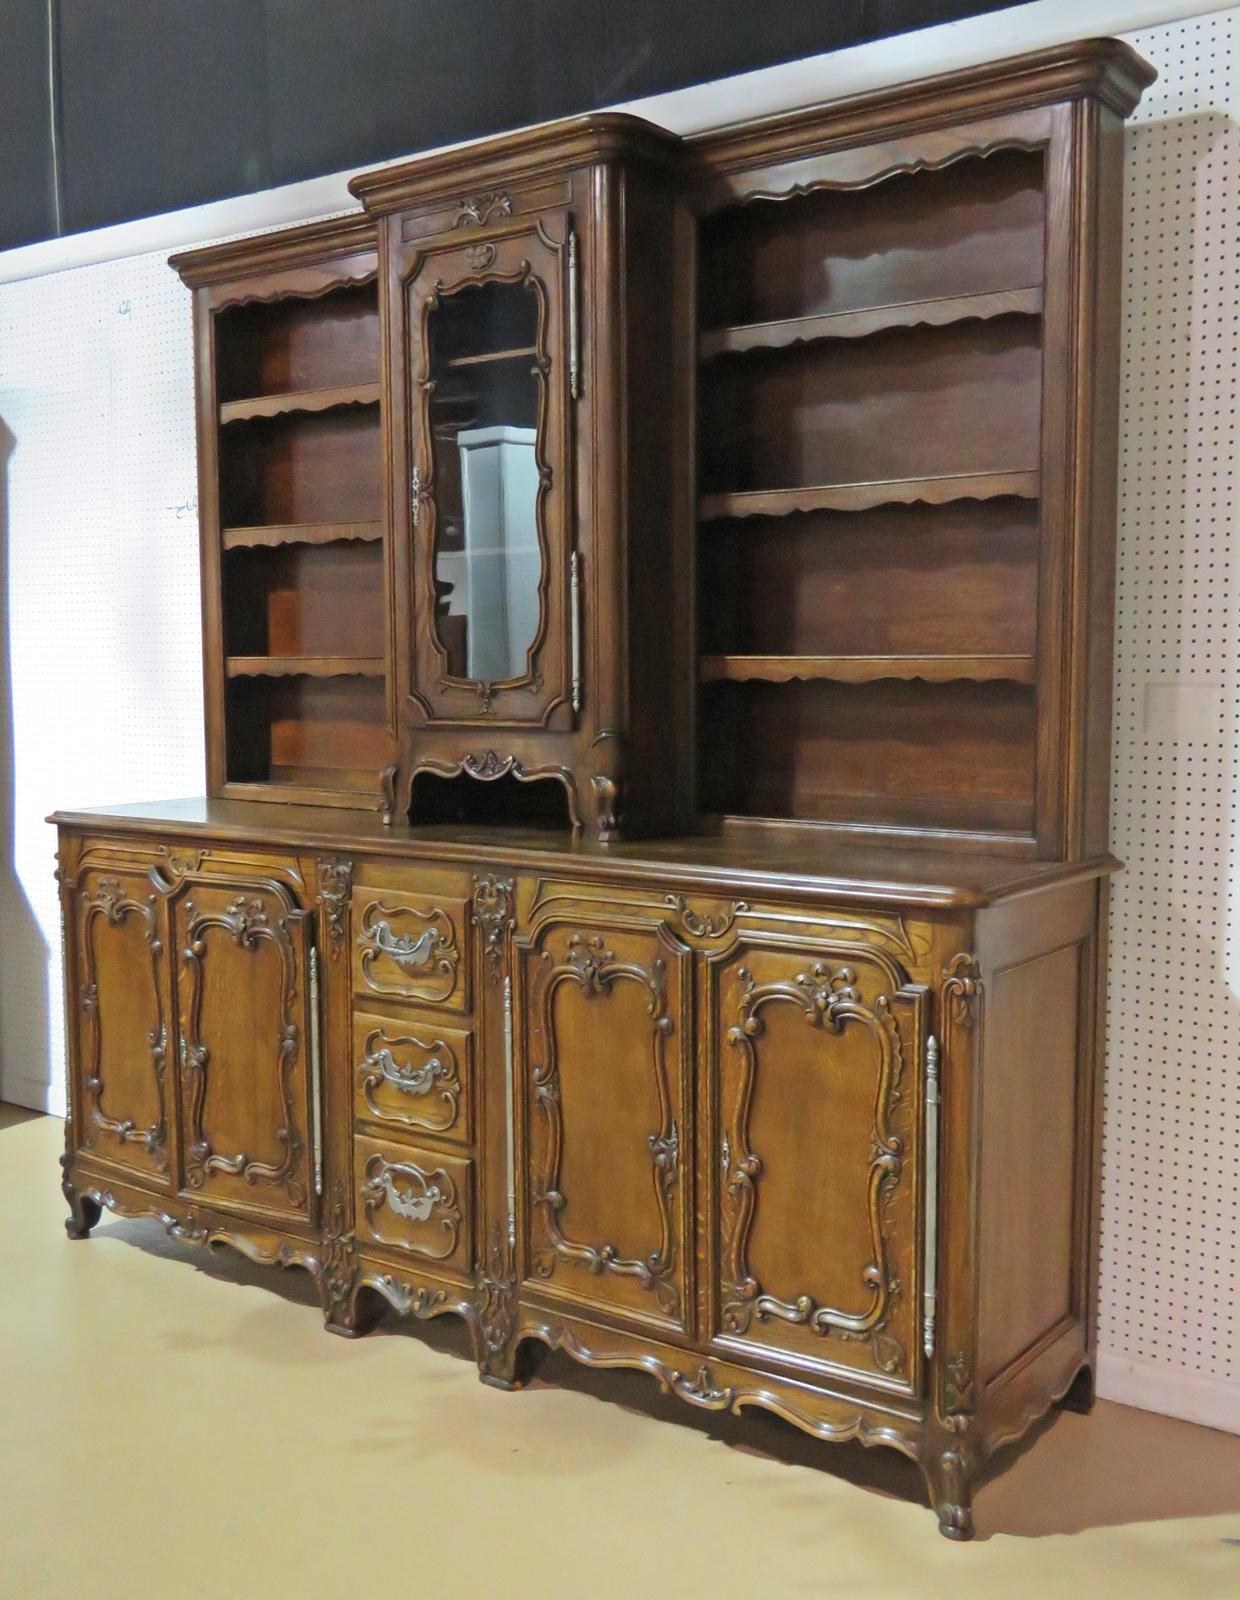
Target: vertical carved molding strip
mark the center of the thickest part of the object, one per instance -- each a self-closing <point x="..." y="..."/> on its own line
<point x="493" y="917"/>
<point x="338" y="1267"/>
<point x="335" y="885"/>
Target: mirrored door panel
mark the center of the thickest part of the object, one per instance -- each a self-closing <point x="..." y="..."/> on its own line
<point x="488" y="479"/>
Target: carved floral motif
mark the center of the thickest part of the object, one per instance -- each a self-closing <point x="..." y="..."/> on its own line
<point x="493" y="916"/>
<point x="335" y="883"/>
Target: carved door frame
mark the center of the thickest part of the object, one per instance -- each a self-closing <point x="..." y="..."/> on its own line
<point x="586" y="962"/>
<point x="285" y="1189"/>
<point x="821" y="983"/>
<point x="537" y="252"/>
<point x="103" y="893"/>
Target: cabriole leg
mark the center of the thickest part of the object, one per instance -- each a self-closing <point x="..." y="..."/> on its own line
<point x="949" y="1474"/>
<point x="84" y="1212"/>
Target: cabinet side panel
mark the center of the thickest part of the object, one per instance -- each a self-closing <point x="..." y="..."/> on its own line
<point x="1029" y="1128"/>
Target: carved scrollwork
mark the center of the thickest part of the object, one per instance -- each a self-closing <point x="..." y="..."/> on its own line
<point x="493" y="916"/>
<point x="415" y="1195"/>
<point x="428" y="954"/>
<point x="829" y="1000"/>
<point x="701" y="1389"/>
<point x="478" y="257"/>
<point x="248" y="922"/>
<point x="408" y="1300"/>
<point x="962" y="990"/>
<point x="483" y="209"/>
<point x="701" y="924"/>
<point x="110" y="906"/>
<point x="497" y="1301"/>
<point x="434" y="1074"/>
<point x="959" y="1398"/>
<point x="487" y="766"/>
<point x="387" y="794"/>
<point x="338" y="1266"/>
<point x="595" y="971"/>
<point x="335" y="883"/>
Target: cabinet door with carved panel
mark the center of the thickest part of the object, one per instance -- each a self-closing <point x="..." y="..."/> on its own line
<point x="817" y="1056"/>
<point x="247" y="1092"/>
<point x="485" y="347"/>
<point x="119" y="948"/>
<point x="604" y="1066"/>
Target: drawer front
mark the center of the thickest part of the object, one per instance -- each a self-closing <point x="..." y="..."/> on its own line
<point x="415" y="1203"/>
<point x="411" y="947"/>
<point x="412" y="1076"/>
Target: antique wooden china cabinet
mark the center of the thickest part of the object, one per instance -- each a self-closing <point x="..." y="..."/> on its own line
<point x="651" y="893"/>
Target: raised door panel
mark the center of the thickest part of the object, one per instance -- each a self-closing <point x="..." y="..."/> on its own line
<point x="605" y="1064"/>
<point x="487" y="479"/>
<point x="122" y="1024"/>
<point x="245" y="1085"/>
<point x="817" y="1053"/>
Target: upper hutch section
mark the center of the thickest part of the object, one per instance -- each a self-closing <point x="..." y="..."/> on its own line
<point x="800" y="433"/>
<point x="294" y="535"/>
<point x="907" y="333"/>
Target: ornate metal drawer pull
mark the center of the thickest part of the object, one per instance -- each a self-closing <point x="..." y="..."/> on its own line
<point x="403" y="1075"/>
<point x="409" y="1203"/>
<point x="404" y="949"/>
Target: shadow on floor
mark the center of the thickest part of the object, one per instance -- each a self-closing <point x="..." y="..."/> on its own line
<point x="1070" y="1474"/>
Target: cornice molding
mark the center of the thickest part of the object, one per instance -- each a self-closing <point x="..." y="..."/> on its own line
<point x="308" y="244"/>
<point x="1107" y="70"/>
<point x="544" y="151"/>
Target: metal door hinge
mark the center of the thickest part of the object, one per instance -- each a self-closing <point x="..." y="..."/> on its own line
<point x="574" y="583"/>
<point x="930" y="1262"/>
<point x="510" y="1113"/>
<point x="316" y="1071"/>
<point x="574" y="320"/>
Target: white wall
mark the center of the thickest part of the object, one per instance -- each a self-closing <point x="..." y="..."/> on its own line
<point x="100" y="680"/>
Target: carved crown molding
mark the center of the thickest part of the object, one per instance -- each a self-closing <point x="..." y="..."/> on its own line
<point x="308" y="245"/>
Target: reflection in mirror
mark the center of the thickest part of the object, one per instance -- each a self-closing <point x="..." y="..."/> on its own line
<point x="484" y="403"/>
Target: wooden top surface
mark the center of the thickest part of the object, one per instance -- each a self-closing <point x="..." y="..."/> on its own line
<point x="788" y="861"/>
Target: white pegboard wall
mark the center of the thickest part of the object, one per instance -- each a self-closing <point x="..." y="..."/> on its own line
<point x="1171" y="1168"/>
<point x="102" y="655"/>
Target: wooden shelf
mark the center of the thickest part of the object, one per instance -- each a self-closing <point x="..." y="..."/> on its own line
<point x="493" y="355"/>
<point x="861" y="496"/>
<point x="305" y="666"/>
<point x="302" y="533"/>
<point x="871" y="319"/>
<point x="866" y="669"/>
<point x="276" y="405"/>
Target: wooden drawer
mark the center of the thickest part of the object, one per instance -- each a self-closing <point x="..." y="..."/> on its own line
<point x="412" y="1076"/>
<point x="411" y="947"/>
<point x="415" y="1203"/>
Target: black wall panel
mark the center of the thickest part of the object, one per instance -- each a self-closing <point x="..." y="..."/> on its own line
<point x="168" y="103"/>
<point x="163" y="104"/>
<point x="26" y="210"/>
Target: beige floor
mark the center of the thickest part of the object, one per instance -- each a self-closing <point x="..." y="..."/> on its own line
<point x="175" y="1423"/>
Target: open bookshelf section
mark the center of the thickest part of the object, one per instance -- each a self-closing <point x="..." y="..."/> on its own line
<point x="302" y="545"/>
<point x="869" y="448"/>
